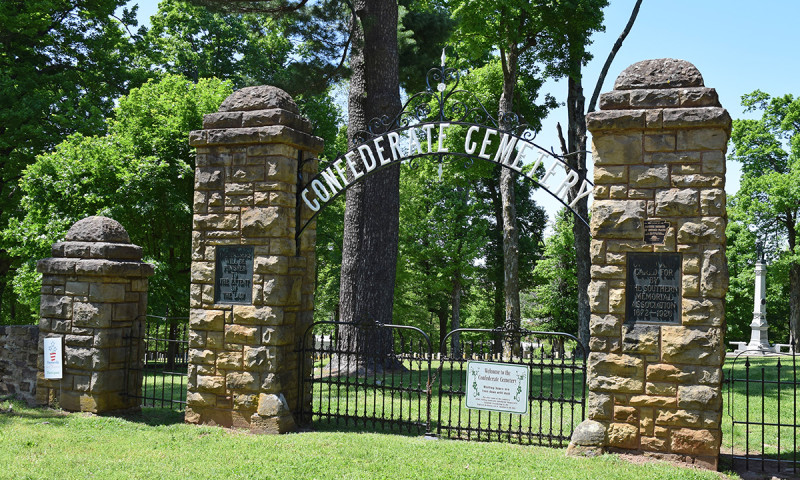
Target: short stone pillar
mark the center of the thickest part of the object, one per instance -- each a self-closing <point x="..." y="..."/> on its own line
<point x="252" y="284"/>
<point x="659" y="272"/>
<point x="94" y="296"/>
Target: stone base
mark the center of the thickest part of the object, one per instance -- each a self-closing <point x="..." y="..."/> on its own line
<point x="588" y="440"/>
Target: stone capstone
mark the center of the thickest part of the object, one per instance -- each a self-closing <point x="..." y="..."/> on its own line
<point x="97" y="229"/>
<point x="659" y="73"/>
<point x="260" y="97"/>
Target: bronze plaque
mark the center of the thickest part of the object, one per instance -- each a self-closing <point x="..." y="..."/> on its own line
<point x="234" y="275"/>
<point x="653" y="288"/>
<point x="655" y="231"/>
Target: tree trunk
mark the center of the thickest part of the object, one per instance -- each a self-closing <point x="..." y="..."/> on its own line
<point x="794" y="306"/>
<point x="455" y="305"/>
<point x="442" y="315"/>
<point x="371" y="228"/>
<point x="498" y="318"/>
<point x="510" y="229"/>
<point x="576" y="144"/>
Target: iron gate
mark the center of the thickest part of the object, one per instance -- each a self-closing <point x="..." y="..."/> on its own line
<point x="163" y="364"/>
<point x="365" y="376"/>
<point x="763" y="404"/>
<point x="556" y="386"/>
<point x="394" y="387"/>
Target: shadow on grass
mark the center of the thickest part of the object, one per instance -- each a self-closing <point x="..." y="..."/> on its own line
<point x="154" y="417"/>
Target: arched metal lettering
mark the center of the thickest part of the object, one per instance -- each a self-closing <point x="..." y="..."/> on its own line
<point x="421" y="131"/>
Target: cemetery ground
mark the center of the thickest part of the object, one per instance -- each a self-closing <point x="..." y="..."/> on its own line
<point x="43" y="443"/>
<point x="39" y="443"/>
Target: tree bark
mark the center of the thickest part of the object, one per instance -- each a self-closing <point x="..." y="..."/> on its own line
<point x="455" y="305"/>
<point x="576" y="144"/>
<point x="794" y="306"/>
<point x="510" y="228"/>
<point x="371" y="221"/>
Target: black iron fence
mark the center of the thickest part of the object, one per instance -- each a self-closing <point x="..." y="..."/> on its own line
<point x="365" y="377"/>
<point x="763" y="403"/>
<point x="502" y="367"/>
<point x="163" y="362"/>
<point x="387" y="378"/>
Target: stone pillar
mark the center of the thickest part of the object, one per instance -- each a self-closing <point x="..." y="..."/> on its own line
<point x="252" y="285"/>
<point x="94" y="296"/>
<point x="659" y="273"/>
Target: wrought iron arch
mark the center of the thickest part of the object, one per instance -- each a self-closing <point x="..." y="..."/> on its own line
<point x="379" y="146"/>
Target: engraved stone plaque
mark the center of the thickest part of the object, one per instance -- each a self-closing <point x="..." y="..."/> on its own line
<point x="655" y="231"/>
<point x="653" y="288"/>
<point x="233" y="281"/>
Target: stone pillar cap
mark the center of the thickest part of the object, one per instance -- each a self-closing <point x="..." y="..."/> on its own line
<point x="262" y="97"/>
<point x="97" y="229"/>
<point x="659" y="73"/>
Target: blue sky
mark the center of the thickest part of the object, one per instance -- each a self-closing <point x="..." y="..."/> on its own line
<point x="738" y="46"/>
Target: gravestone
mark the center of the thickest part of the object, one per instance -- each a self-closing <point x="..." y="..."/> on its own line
<point x="659" y="272"/>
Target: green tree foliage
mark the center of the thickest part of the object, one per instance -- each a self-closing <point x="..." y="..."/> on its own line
<point x="192" y="41"/>
<point x="140" y="173"/>
<point x="739" y="301"/>
<point x="62" y="64"/>
<point x="769" y="196"/>
<point x="552" y="302"/>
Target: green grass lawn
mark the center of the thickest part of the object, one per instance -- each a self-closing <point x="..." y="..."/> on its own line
<point x="769" y="402"/>
<point x="405" y="406"/>
<point x="45" y="444"/>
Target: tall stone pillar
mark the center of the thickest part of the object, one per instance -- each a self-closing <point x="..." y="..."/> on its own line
<point x="252" y="285"/>
<point x="94" y="297"/>
<point x="659" y="273"/>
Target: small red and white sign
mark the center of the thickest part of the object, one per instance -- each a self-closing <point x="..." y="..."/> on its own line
<point x="53" y="355"/>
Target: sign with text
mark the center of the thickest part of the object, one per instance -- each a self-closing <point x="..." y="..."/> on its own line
<point x="655" y="231"/>
<point x="653" y="288"/>
<point x="53" y="358"/>
<point x="234" y="275"/>
<point x="499" y="387"/>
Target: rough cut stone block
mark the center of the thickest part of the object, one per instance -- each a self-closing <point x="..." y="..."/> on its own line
<point x="694" y="117"/>
<point x="641" y="339"/>
<point x="605" y="325"/>
<point x="703" y="139"/>
<point x="696" y="441"/>
<point x="615" y="373"/>
<point x="617" y="149"/>
<point x="702" y="230"/>
<point x="662" y="142"/>
<point x="241" y="334"/>
<point x="699" y="397"/>
<point x="623" y="435"/>
<point x="714" y="274"/>
<point x="691" y="345"/>
<point x="96" y="315"/>
<point x="643" y="176"/>
<point x="677" y="203"/>
<point x="264" y="222"/>
<point x="599" y="406"/>
<point x="618" y="219"/>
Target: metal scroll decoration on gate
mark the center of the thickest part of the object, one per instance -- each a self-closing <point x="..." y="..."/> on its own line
<point x="426" y="126"/>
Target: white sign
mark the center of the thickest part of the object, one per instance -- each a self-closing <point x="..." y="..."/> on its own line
<point x="53" y="355"/>
<point x="499" y="387"/>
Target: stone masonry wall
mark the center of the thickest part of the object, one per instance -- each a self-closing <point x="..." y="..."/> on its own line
<point x="243" y="364"/>
<point x="18" y="348"/>
<point x="659" y="143"/>
<point x="94" y="296"/>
